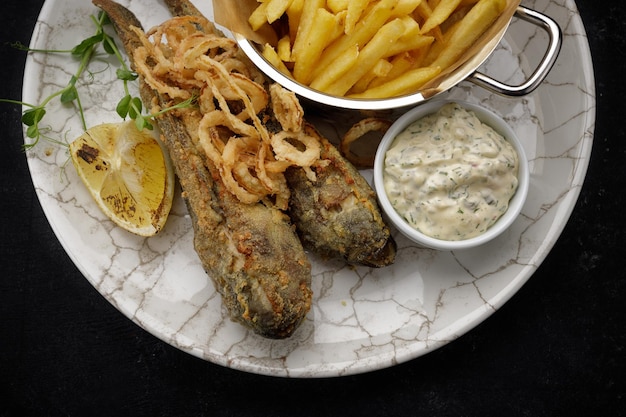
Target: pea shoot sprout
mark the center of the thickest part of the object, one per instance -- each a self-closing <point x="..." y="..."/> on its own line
<point x="129" y="106"/>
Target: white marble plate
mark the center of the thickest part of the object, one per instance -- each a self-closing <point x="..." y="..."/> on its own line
<point x="362" y="319"/>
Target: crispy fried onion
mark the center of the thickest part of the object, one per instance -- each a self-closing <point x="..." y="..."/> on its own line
<point x="250" y="143"/>
<point x="357" y="131"/>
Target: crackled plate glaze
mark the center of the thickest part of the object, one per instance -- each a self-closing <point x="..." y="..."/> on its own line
<point x="362" y="319"/>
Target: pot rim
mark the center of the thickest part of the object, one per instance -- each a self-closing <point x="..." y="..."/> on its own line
<point x="467" y="71"/>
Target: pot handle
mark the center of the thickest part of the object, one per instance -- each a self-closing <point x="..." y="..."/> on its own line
<point x="544" y="67"/>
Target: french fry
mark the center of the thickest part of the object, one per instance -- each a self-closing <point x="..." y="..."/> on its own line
<point x="272" y="57"/>
<point x="438" y="46"/>
<point x="355" y="9"/>
<point x="309" y="9"/>
<point x="368" y="26"/>
<point x="400" y="64"/>
<point x="380" y="70"/>
<point x="410" y="44"/>
<point x="406" y="7"/>
<point x="340" y="28"/>
<point x="341" y="65"/>
<point x="411" y="27"/>
<point x="469" y="29"/>
<point x="337" y="6"/>
<point x="406" y="83"/>
<point x="439" y="14"/>
<point x="325" y="24"/>
<point x="374" y="50"/>
<point x="294" y="12"/>
<point x="275" y="9"/>
<point x="425" y="11"/>
<point x="258" y="17"/>
<point x="283" y="48"/>
<point x="410" y="40"/>
<point x="455" y="17"/>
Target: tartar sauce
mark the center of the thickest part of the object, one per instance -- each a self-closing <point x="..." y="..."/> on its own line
<point x="449" y="175"/>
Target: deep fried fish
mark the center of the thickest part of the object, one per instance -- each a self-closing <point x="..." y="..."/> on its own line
<point x="251" y="251"/>
<point x="338" y="215"/>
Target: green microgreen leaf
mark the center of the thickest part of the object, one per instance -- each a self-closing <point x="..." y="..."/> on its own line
<point x="69" y="93"/>
<point x="110" y="46"/>
<point x="125" y="74"/>
<point x="32" y="117"/>
<point x="128" y="106"/>
<point x="87" y="45"/>
<point x="142" y="123"/>
<point x="135" y="108"/>
<point x="123" y="105"/>
<point x="33" y="132"/>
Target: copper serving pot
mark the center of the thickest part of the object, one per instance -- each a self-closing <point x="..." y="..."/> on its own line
<point x="467" y="71"/>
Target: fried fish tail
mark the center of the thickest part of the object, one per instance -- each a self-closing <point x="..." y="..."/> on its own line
<point x="182" y="8"/>
<point x="251" y="251"/>
<point x="337" y="214"/>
